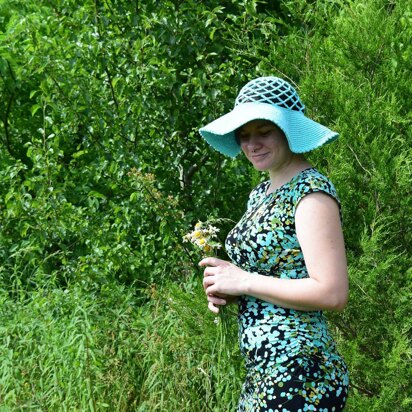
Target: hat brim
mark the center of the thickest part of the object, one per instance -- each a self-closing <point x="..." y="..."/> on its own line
<point x="303" y="134"/>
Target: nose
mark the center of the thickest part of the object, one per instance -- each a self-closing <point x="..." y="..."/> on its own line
<point x="253" y="143"/>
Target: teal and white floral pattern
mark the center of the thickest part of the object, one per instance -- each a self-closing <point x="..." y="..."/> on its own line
<point x="291" y="359"/>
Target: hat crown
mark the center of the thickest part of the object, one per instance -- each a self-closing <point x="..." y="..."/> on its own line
<point x="271" y="90"/>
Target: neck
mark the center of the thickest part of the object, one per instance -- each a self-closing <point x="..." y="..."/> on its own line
<point x="287" y="171"/>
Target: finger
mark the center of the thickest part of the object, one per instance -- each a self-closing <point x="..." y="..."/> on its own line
<point x="210" y="261"/>
<point x="210" y="271"/>
<point x="211" y="290"/>
<point x="216" y="300"/>
<point x="213" y="308"/>
<point x="208" y="281"/>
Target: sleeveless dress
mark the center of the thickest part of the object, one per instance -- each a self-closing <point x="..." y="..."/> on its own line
<point x="291" y="360"/>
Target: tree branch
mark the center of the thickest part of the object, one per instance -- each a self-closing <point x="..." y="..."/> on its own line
<point x="187" y="176"/>
<point x="6" y="125"/>
<point x="365" y="391"/>
<point x="112" y="89"/>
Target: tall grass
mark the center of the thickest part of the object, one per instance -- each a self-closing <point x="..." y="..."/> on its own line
<point x="68" y="350"/>
<point x="83" y="350"/>
<point x="191" y="364"/>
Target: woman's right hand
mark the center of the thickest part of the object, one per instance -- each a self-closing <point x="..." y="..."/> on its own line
<point x="215" y="301"/>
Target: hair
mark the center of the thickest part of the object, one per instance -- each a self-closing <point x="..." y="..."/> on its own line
<point x="270" y="90"/>
<point x="279" y="100"/>
<point x="237" y="137"/>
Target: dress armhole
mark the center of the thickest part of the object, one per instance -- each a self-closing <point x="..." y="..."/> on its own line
<point x="319" y="190"/>
<point x="315" y="184"/>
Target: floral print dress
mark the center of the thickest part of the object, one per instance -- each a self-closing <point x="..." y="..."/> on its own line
<point x="291" y="360"/>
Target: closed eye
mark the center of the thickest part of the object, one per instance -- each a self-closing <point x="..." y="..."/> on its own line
<point x="265" y="133"/>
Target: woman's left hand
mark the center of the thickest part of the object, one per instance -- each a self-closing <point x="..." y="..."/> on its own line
<point x="223" y="278"/>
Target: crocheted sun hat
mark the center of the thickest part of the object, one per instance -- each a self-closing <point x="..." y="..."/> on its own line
<point x="268" y="98"/>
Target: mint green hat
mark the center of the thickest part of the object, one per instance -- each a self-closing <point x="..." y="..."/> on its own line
<point x="268" y="98"/>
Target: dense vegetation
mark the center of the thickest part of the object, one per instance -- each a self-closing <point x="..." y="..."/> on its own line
<point x="103" y="172"/>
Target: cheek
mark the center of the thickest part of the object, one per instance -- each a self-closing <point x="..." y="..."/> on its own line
<point x="243" y="147"/>
<point x="280" y="144"/>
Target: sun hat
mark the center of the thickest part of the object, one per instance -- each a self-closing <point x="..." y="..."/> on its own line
<point x="268" y="98"/>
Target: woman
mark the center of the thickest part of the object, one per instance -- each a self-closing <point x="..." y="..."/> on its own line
<point x="287" y="252"/>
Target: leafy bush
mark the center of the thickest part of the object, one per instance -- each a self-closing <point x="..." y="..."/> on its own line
<point x="103" y="172"/>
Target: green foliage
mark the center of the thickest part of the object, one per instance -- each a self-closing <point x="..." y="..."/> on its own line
<point x="191" y="359"/>
<point x="78" y="349"/>
<point x="103" y="172"/>
<point x="69" y="350"/>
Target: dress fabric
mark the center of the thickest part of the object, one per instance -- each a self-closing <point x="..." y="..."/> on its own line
<point x="291" y="360"/>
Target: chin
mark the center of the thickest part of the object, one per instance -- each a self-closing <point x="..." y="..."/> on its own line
<point x="263" y="166"/>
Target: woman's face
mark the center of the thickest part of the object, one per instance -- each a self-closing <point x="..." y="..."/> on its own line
<point x="265" y="145"/>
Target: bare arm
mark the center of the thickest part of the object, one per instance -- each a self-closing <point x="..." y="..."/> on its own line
<point x="320" y="236"/>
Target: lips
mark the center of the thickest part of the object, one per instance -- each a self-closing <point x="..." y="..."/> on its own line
<point x="258" y="156"/>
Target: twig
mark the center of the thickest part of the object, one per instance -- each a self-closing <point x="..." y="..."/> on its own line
<point x="360" y="164"/>
<point x="6" y="124"/>
<point x="367" y="392"/>
<point x="109" y="80"/>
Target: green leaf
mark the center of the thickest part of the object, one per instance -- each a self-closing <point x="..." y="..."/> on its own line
<point x="35" y="108"/>
<point x="80" y="153"/>
<point x="96" y="194"/>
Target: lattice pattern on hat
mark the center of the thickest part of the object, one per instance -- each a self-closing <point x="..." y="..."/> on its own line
<point x="271" y="90"/>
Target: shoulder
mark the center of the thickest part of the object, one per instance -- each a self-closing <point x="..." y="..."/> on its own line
<point x="311" y="181"/>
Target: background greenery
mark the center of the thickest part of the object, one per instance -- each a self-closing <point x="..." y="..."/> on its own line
<point x="103" y="172"/>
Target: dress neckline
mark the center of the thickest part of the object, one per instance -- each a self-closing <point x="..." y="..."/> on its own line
<point x="267" y="183"/>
